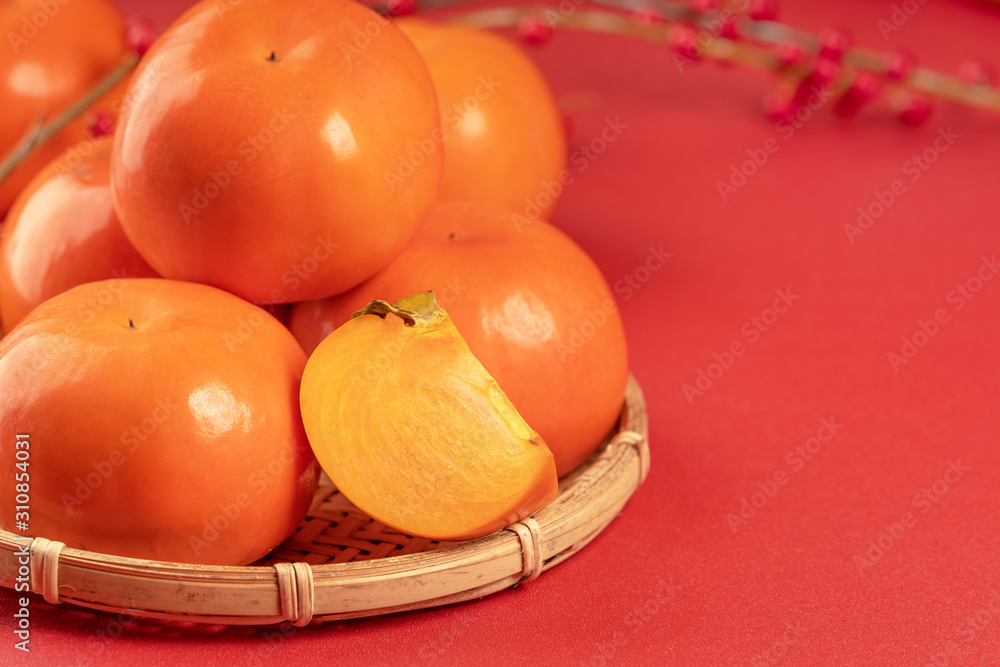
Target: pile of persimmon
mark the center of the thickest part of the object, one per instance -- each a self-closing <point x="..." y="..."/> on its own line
<point x="311" y="163"/>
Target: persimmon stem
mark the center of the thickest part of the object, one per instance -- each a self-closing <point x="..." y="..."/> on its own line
<point x="41" y="132"/>
<point x="421" y="308"/>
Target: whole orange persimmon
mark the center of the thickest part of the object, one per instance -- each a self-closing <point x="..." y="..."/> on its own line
<point x="530" y="303"/>
<point x="160" y="419"/>
<point x="63" y="232"/>
<point x="54" y="52"/>
<point x="258" y="151"/>
<point x="504" y="138"/>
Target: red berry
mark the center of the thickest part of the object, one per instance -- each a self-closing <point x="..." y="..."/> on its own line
<point x="702" y="6"/>
<point x="824" y="70"/>
<point x="100" y="125"/>
<point x="726" y="28"/>
<point x="898" y="65"/>
<point x="534" y="30"/>
<point x="977" y="73"/>
<point x="683" y="40"/>
<point x="778" y="105"/>
<point x="401" y="7"/>
<point x="140" y="33"/>
<point x="833" y="43"/>
<point x="916" y="112"/>
<point x="763" y="10"/>
<point x="822" y="73"/>
<point x="648" y="16"/>
<point x="790" y="54"/>
<point x="862" y="90"/>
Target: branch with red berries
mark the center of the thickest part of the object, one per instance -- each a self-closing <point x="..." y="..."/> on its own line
<point x="745" y="32"/>
<point x="742" y="32"/>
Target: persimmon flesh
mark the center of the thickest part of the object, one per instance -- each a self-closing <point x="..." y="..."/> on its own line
<point x="414" y="431"/>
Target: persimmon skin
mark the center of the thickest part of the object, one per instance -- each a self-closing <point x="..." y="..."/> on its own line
<point x="163" y="421"/>
<point x="532" y="306"/>
<point x="504" y="135"/>
<point x="63" y="232"/>
<point x="258" y="151"/>
<point x="74" y="48"/>
<point x="411" y="428"/>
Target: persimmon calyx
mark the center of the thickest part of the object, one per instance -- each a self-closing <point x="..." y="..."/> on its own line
<point x="420" y="309"/>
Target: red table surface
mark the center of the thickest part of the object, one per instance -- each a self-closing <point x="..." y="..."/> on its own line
<point x="676" y="578"/>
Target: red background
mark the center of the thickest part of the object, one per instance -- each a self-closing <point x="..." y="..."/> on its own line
<point x="670" y="580"/>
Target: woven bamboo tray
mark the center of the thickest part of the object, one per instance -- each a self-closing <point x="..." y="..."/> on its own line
<point x="340" y="563"/>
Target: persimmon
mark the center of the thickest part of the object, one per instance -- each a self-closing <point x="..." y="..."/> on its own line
<point x="530" y="303"/>
<point x="258" y="154"/>
<point x="414" y="431"/>
<point x="63" y="232"/>
<point x="55" y="52"/>
<point x="162" y="420"/>
<point x="504" y="137"/>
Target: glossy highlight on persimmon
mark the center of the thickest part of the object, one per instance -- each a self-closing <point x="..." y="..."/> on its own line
<point x="414" y="431"/>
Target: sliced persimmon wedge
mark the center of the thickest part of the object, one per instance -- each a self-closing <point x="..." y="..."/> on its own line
<point x="412" y="429"/>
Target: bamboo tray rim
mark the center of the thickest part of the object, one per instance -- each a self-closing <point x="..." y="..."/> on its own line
<point x="300" y="593"/>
